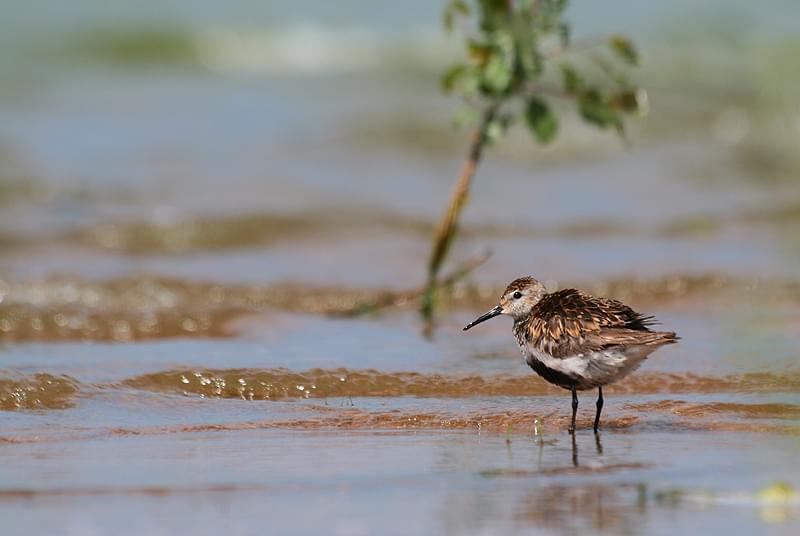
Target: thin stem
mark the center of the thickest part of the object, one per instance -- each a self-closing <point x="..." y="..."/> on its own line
<point x="396" y="299"/>
<point x="448" y="225"/>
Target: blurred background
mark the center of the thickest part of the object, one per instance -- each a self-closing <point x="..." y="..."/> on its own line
<point x="193" y="193"/>
<point x="262" y="142"/>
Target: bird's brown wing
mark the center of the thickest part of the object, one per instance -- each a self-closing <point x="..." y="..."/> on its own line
<point x="569" y="322"/>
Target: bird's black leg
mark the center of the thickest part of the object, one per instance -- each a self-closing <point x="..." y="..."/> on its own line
<point x="599" y="409"/>
<point x="574" y="409"/>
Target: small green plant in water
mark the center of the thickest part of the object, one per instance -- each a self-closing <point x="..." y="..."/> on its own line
<point x="513" y="50"/>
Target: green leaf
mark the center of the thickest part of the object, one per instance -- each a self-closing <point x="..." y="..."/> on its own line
<point x="497" y="74"/>
<point x="623" y="47"/>
<point x="479" y="52"/>
<point x="572" y="80"/>
<point x="462" y="79"/>
<point x="541" y="120"/>
<point x="494" y="14"/>
<point x="497" y="128"/>
<point x="452" y="76"/>
<point x="495" y="131"/>
<point x="528" y="64"/>
<point x="598" y="111"/>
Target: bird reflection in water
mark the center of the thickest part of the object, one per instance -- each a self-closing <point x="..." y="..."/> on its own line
<point x="597" y="443"/>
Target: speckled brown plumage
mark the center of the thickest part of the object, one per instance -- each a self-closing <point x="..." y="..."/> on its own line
<point x="568" y="323"/>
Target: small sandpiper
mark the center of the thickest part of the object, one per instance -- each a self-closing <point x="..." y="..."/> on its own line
<point x="577" y="341"/>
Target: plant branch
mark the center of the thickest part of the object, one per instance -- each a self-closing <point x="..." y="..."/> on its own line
<point x="448" y="225"/>
<point x="391" y="299"/>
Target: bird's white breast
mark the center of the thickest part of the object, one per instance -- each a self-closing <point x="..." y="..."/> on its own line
<point x="591" y="369"/>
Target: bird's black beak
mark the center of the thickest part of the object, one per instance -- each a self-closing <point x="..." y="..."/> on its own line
<point x="486" y="316"/>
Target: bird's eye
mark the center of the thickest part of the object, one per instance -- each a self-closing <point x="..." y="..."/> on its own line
<point x="517" y="295"/>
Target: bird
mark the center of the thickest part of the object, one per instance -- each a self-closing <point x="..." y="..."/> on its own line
<point x="574" y="340"/>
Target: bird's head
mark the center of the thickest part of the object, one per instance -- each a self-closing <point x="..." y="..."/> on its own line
<point x="520" y="296"/>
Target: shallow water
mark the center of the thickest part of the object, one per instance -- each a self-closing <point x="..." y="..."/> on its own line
<point x="392" y="482"/>
<point x="373" y="428"/>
